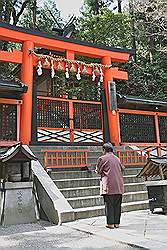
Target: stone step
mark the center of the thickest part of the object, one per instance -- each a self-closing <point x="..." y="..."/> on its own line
<point x="134" y="187"/>
<point x="72" y="174"/>
<point x="82" y="182"/>
<point x="135" y="205"/>
<point x="132" y="179"/>
<point x="135" y="196"/>
<point x="98" y="200"/>
<point x="81" y="213"/>
<point x="81" y="191"/>
<point x="92" y="181"/>
<point x="132" y="170"/>
<point x="95" y="190"/>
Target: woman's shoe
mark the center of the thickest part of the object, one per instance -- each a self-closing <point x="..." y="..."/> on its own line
<point x="110" y="226"/>
<point x="116" y="225"/>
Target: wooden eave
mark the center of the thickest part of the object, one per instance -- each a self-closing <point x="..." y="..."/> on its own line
<point x="14" y="152"/>
<point x="130" y="102"/>
<point x="9" y="89"/>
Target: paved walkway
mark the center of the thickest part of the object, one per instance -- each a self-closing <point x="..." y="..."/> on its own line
<point x="139" y="230"/>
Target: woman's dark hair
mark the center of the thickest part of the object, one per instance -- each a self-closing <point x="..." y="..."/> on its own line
<point x="108" y="147"/>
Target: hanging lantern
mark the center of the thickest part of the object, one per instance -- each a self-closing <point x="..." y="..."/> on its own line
<point x="101" y="74"/>
<point x="67" y="71"/>
<point x="84" y="71"/>
<point x="78" y="74"/>
<point x="72" y="69"/>
<point x="59" y="66"/>
<point x="52" y="69"/>
<point x="93" y="75"/>
<point x="46" y="62"/>
<point x="39" y="68"/>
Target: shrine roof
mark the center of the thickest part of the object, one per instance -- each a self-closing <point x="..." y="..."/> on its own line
<point x="12" y="89"/>
<point x="64" y="39"/>
<point x="135" y="102"/>
<point x="151" y="169"/>
<point x="18" y="151"/>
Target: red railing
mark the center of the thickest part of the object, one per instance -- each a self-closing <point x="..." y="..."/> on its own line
<point x="139" y="157"/>
<point x="79" y="158"/>
<point x="65" y="158"/>
<point x="133" y="157"/>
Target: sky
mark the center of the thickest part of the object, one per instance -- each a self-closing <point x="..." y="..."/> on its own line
<point x="67" y="7"/>
<point x="70" y="7"/>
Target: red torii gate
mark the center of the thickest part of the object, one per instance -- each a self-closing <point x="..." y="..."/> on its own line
<point x="31" y="39"/>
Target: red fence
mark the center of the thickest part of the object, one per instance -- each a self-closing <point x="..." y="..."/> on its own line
<point x="139" y="157"/>
<point x="65" y="158"/>
<point x="62" y="120"/>
<point x="10" y="119"/>
<point x="79" y="158"/>
<point x="133" y="157"/>
<point x="142" y="128"/>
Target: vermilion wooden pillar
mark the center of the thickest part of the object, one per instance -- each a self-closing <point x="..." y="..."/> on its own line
<point x="112" y="116"/>
<point x="71" y="56"/>
<point x="27" y="78"/>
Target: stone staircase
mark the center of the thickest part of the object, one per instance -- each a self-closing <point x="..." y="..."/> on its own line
<point x="81" y="188"/>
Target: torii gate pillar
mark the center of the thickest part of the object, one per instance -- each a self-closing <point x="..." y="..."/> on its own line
<point x="27" y="78"/>
<point x="112" y="115"/>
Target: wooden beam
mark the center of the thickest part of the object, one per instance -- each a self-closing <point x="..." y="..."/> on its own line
<point x="157" y="132"/>
<point x="10" y="101"/>
<point x="53" y="44"/>
<point x="139" y="144"/>
<point x="116" y="73"/>
<point x="12" y="57"/>
<point x="137" y="112"/>
<point x="119" y="74"/>
<point x="141" y="112"/>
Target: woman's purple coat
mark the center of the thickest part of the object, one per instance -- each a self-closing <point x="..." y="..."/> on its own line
<point x="110" y="169"/>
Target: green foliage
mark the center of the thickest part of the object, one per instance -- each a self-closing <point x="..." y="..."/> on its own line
<point x="6" y="7"/>
<point x="150" y="25"/>
<point x="83" y="89"/>
<point x="147" y="75"/>
<point x="107" y="28"/>
<point x="96" y="6"/>
<point x="147" y="80"/>
<point x="46" y="16"/>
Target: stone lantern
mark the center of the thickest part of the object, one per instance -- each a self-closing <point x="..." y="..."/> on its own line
<point x="17" y="204"/>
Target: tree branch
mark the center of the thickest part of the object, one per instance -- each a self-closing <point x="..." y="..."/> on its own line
<point x="16" y="17"/>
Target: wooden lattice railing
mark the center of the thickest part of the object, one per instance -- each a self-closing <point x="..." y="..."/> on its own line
<point x="65" y="158"/>
<point x="133" y="157"/>
<point x="79" y="158"/>
<point x="139" y="157"/>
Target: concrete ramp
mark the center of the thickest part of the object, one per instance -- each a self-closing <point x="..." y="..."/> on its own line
<point x="52" y="201"/>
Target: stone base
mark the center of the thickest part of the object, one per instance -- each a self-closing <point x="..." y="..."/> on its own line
<point x="17" y="205"/>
